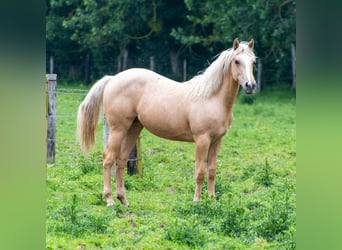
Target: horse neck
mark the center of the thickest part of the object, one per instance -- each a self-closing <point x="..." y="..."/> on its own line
<point x="229" y="91"/>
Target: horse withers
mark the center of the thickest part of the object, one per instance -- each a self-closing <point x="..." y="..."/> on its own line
<point x="199" y="111"/>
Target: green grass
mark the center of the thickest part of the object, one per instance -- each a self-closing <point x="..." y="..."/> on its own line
<point x="255" y="199"/>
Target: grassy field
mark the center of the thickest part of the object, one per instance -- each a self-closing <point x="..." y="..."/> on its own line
<point x="255" y="201"/>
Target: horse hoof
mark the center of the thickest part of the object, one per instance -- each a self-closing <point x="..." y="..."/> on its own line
<point x="123" y="201"/>
<point x="110" y="202"/>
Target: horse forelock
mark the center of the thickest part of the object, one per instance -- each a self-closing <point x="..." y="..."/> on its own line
<point x="209" y="82"/>
<point x="245" y="48"/>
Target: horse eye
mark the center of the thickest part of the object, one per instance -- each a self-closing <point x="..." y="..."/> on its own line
<point x="237" y="62"/>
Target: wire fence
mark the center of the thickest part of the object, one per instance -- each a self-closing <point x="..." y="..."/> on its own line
<point x="62" y="143"/>
<point x="67" y="150"/>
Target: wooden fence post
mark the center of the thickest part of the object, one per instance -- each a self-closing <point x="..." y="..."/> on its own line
<point x="51" y="64"/>
<point x="51" y="82"/>
<point x="152" y="64"/>
<point x="293" y="55"/>
<point x="259" y="79"/>
<point x="87" y="69"/>
<point x="134" y="165"/>
<point x="184" y="70"/>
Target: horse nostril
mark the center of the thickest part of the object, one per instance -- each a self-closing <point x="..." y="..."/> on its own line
<point x="251" y="86"/>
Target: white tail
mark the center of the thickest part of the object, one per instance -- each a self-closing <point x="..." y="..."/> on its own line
<point x="88" y="114"/>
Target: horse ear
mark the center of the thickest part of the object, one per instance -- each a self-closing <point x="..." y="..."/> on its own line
<point x="251" y="43"/>
<point x="236" y="43"/>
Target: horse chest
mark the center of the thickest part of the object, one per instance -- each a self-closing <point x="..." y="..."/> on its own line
<point x="213" y="123"/>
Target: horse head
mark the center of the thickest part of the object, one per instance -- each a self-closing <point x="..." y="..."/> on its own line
<point x="242" y="65"/>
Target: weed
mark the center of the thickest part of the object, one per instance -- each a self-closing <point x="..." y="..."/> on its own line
<point x="275" y="217"/>
<point x="76" y="222"/>
<point x="185" y="232"/>
<point x="264" y="176"/>
<point x="86" y="163"/>
<point x="234" y="223"/>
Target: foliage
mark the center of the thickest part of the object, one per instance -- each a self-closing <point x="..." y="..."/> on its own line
<point x="185" y="231"/>
<point x="91" y="37"/>
<point x="264" y="176"/>
<point x="254" y="206"/>
<point x="270" y="23"/>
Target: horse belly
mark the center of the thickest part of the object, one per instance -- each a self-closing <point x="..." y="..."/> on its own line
<point x="164" y="126"/>
<point x="170" y="135"/>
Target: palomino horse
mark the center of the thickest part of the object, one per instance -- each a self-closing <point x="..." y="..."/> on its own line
<point x="199" y="110"/>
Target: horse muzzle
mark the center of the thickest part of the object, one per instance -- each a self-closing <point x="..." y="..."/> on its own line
<point x="249" y="87"/>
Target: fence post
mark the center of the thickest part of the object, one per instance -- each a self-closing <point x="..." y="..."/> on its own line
<point x="293" y="56"/>
<point x="259" y="79"/>
<point x="134" y="165"/>
<point x="51" y="64"/>
<point x="152" y="64"/>
<point x="51" y="82"/>
<point x="184" y="70"/>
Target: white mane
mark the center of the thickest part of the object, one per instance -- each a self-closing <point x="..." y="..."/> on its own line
<point x="210" y="81"/>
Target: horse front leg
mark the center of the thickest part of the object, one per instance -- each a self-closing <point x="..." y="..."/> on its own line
<point x="212" y="158"/>
<point x="202" y="148"/>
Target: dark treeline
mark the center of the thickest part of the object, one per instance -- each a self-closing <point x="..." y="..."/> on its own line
<point x="90" y="38"/>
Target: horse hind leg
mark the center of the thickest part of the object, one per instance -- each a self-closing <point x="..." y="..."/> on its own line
<point x="121" y="161"/>
<point x="108" y="161"/>
<point x="109" y="156"/>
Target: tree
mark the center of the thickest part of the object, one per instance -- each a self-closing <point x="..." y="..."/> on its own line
<point x="270" y="23"/>
<point x="107" y="29"/>
<point x="91" y="35"/>
<point x="65" y="51"/>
